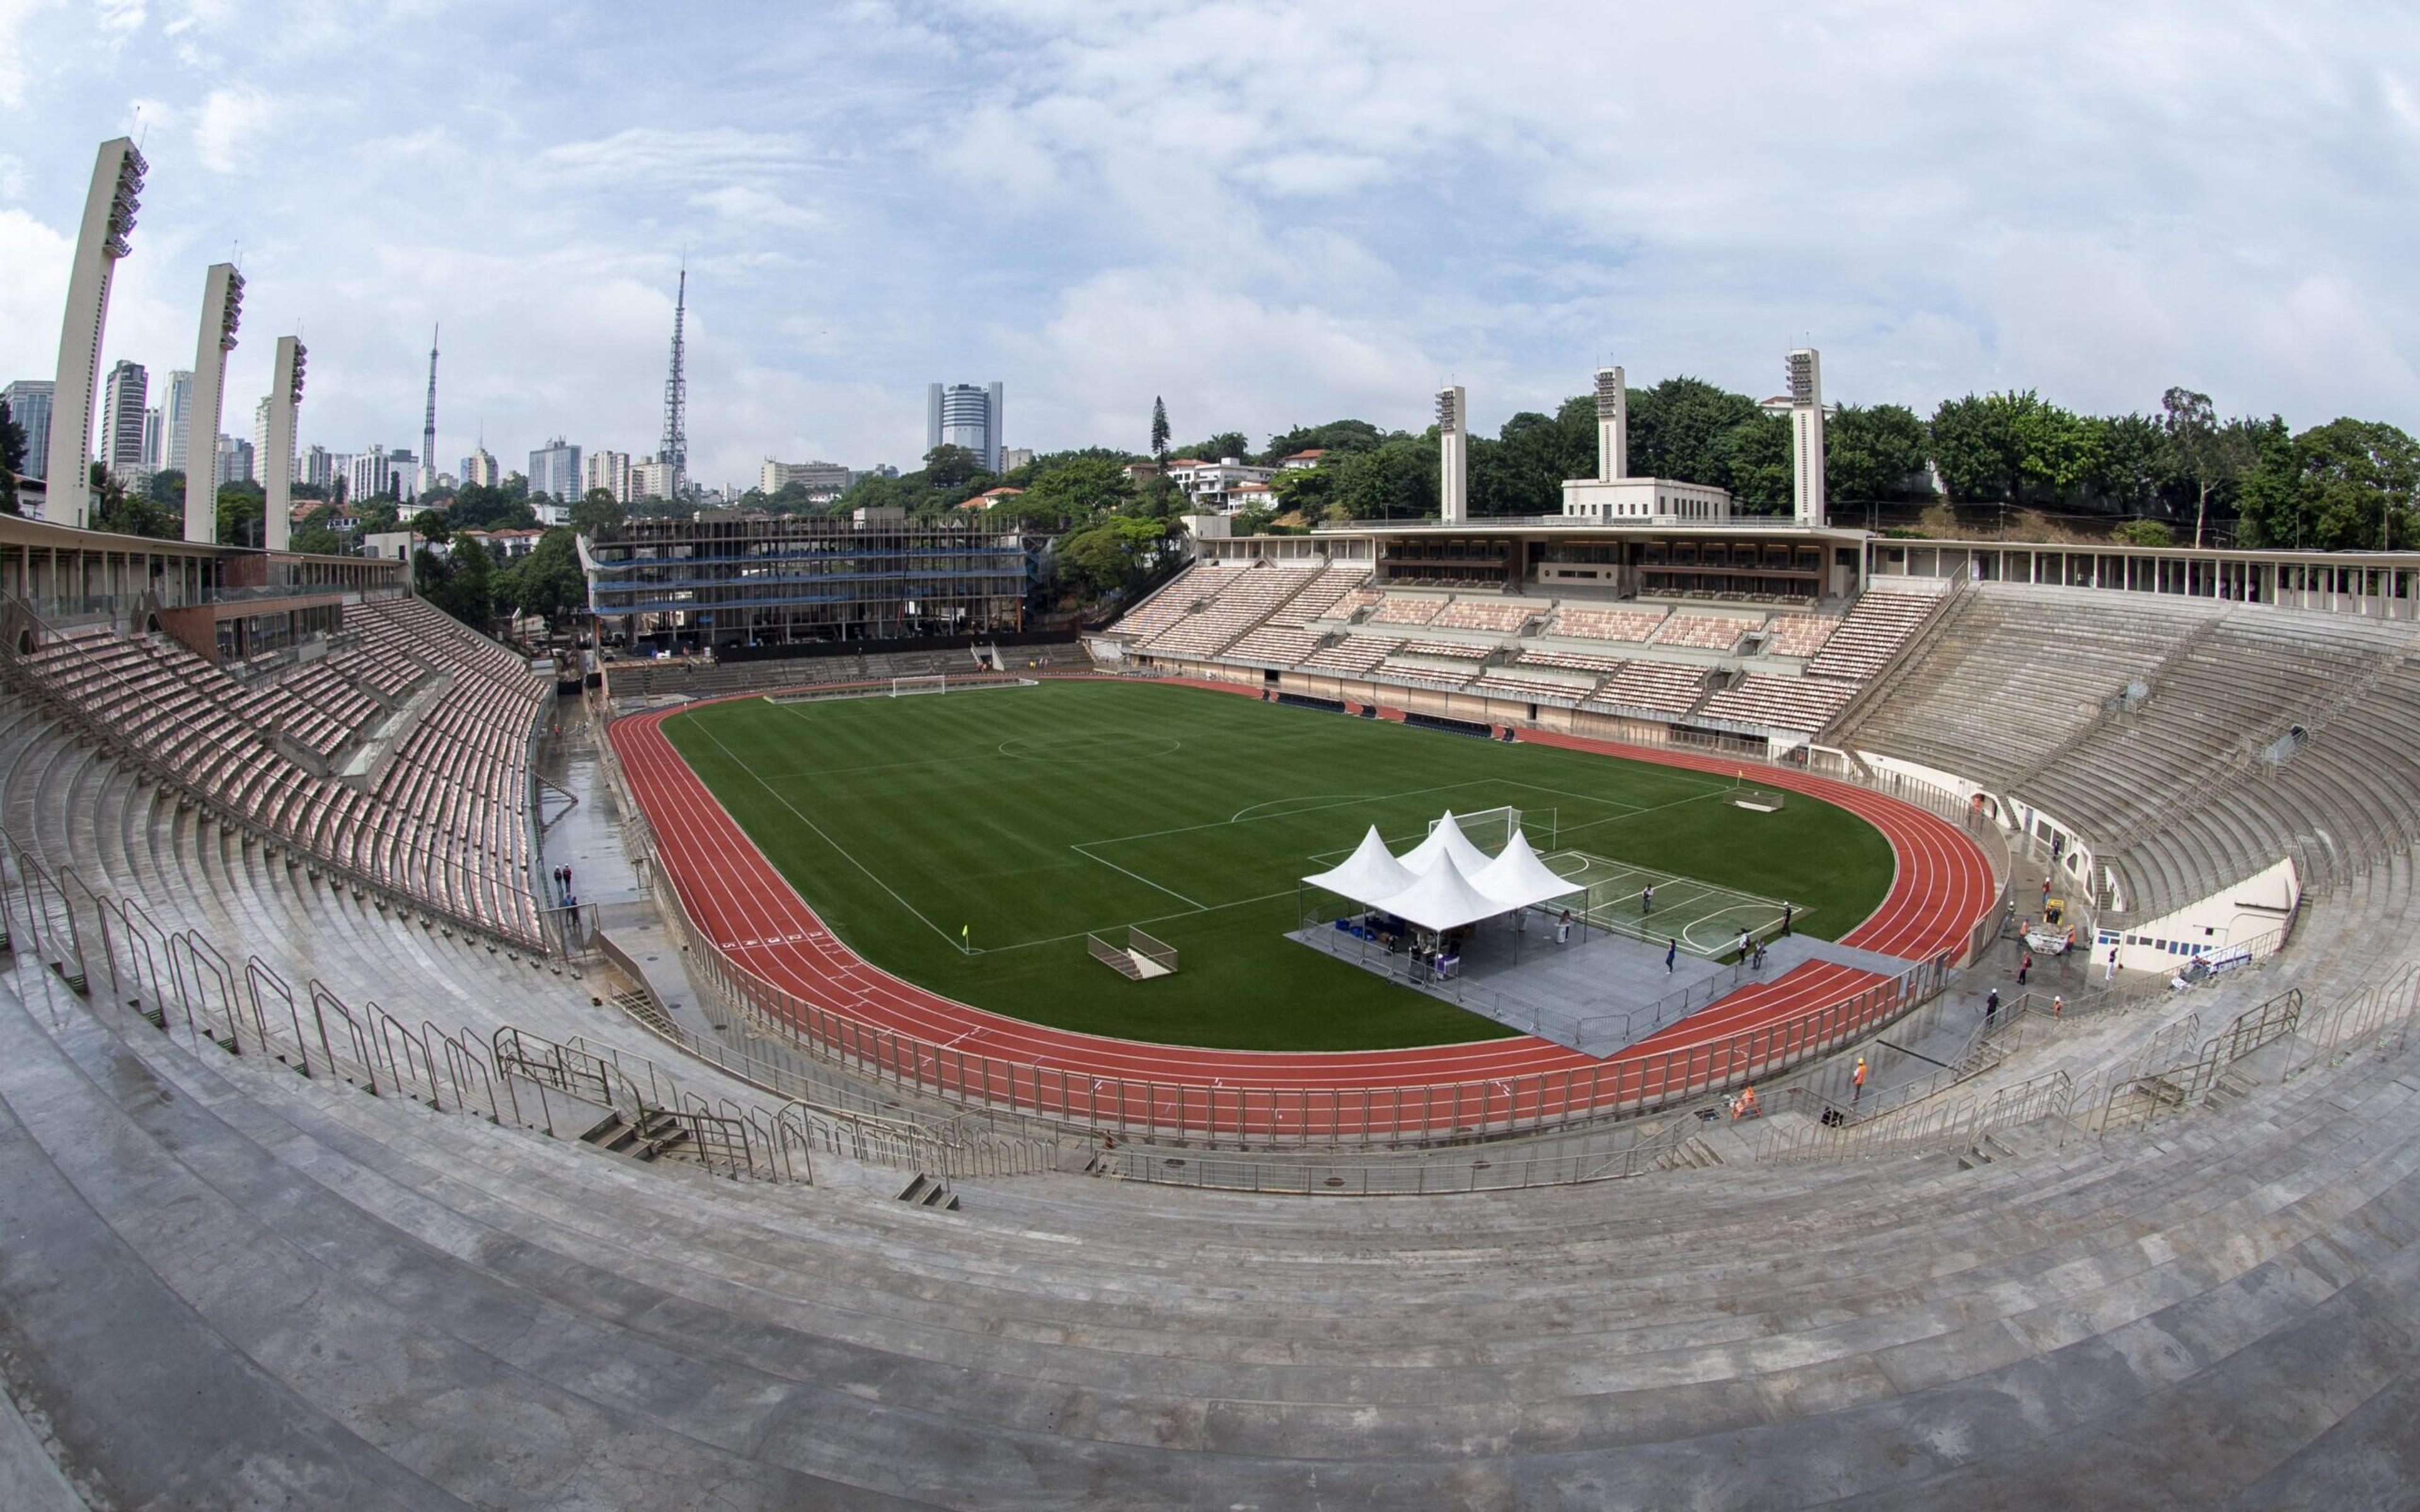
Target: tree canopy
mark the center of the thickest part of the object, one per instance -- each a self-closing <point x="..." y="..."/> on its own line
<point x="2346" y="486"/>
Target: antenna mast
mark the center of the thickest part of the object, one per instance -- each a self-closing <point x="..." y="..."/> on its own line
<point x="429" y="425"/>
<point x="675" y="449"/>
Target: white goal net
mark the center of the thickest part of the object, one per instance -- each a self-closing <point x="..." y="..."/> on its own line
<point x="1491" y="829"/>
<point x="936" y="683"/>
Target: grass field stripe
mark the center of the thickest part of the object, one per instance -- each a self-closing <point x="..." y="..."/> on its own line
<point x="1159" y="918"/>
<point x="843" y="850"/>
<point x="1197" y="907"/>
<point x="1222" y="824"/>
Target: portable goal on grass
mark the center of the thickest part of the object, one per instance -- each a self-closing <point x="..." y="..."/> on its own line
<point x="930" y="683"/>
<point x="1761" y="800"/>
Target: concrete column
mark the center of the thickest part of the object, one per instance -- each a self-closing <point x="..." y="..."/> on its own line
<point x="222" y="312"/>
<point x="109" y="208"/>
<point x="1806" y="369"/>
<point x="1453" y="458"/>
<point x="284" y="394"/>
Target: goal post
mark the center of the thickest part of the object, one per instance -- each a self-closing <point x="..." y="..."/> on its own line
<point x="1756" y="799"/>
<point x="1491" y="829"/>
<point x="930" y="683"/>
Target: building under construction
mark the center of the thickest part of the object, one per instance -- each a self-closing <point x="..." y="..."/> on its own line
<point x="732" y="578"/>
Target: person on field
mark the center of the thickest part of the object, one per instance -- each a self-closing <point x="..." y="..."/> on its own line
<point x="1647" y="900"/>
<point x="1671" y="953"/>
<point x="1787" y="910"/>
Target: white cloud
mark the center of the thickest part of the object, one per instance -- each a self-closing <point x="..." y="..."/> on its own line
<point x="230" y="125"/>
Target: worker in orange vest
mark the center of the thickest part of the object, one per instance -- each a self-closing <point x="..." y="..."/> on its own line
<point x="1858" y="1082"/>
<point x="1745" y="1106"/>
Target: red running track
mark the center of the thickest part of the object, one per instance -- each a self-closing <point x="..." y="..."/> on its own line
<point x="1940" y="885"/>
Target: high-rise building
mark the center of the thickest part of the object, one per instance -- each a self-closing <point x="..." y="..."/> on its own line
<point x="121" y="420"/>
<point x="406" y="469"/>
<point x="961" y="414"/>
<point x="109" y="206"/>
<point x="261" y="433"/>
<point x="651" y="478"/>
<point x="369" y="475"/>
<point x="235" y="462"/>
<point x="815" y="477"/>
<point x="29" y="407"/>
<point x="317" y="467"/>
<point x="480" y="468"/>
<point x="554" y="469"/>
<point x="608" y="470"/>
<point x="176" y="412"/>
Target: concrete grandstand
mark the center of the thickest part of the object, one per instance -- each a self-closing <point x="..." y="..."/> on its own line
<point x="296" y="1085"/>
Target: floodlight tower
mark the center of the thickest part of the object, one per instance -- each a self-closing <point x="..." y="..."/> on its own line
<point x="1453" y="456"/>
<point x="1806" y="368"/>
<point x="222" y="312"/>
<point x="1612" y="425"/>
<point x="109" y="208"/>
<point x="284" y="395"/>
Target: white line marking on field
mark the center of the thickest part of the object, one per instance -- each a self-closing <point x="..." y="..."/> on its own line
<point x="1139" y="877"/>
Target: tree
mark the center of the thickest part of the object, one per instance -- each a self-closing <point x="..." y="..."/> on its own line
<point x="12" y="461"/>
<point x="1159" y="454"/>
<point x="114" y="509"/>
<point x="461" y="583"/>
<point x="430" y="527"/>
<point x="1521" y="470"/>
<point x="596" y="515"/>
<point x="1218" y="448"/>
<point x="2208" y="457"/>
<point x="2144" y="533"/>
<point x="317" y="540"/>
<point x="1676" y="430"/>
<point x="478" y="507"/>
<point x="547" y="582"/>
<point x="2346" y="486"/>
<point x="241" y="509"/>
<point x="1337" y="435"/>
<point x="1976" y="447"/>
<point x="1072" y="490"/>
<point x="947" y="466"/>
<point x="1754" y="461"/>
<point x="166" y="487"/>
<point x="1872" y="453"/>
<point x="1112" y="554"/>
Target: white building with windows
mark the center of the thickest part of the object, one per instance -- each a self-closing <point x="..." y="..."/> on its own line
<point x="961" y="414"/>
<point x="608" y="470"/>
<point x="480" y="468"/>
<point x="554" y="469"/>
<point x="1209" y="486"/>
<point x="815" y="477"/>
<point x="121" y="422"/>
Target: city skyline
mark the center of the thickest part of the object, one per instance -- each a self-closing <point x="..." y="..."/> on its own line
<point x="1086" y="211"/>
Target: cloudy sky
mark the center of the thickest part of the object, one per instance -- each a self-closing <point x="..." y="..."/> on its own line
<point x="1269" y="213"/>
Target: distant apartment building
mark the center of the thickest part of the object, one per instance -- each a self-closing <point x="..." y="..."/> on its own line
<point x="370" y="474"/>
<point x="316" y="467"/>
<point x="554" y="469"/>
<point x="815" y="477"/>
<point x="151" y="440"/>
<point x="121" y="421"/>
<point x="608" y="470"/>
<point x="480" y="468"/>
<point x="651" y="479"/>
<point x="1013" y="457"/>
<point x="29" y="407"/>
<point x="176" y="407"/>
<point x="961" y="414"/>
<point x="235" y="462"/>
<point x="1210" y="486"/>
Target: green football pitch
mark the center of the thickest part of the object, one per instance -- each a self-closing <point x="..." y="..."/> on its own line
<point x="1018" y="819"/>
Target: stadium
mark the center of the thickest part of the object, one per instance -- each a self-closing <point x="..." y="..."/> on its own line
<point x="1596" y="1010"/>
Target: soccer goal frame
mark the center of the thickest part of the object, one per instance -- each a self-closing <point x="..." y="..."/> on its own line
<point x="924" y="683"/>
<point x="1491" y="829"/>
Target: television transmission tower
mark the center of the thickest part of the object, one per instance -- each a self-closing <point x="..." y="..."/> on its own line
<point x="429" y="425"/>
<point x="675" y="449"/>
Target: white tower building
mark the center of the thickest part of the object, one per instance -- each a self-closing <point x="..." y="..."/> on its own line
<point x="222" y="312"/>
<point x="1612" y="425"/>
<point x="1807" y="436"/>
<point x="284" y="392"/>
<point x="109" y="208"/>
<point x="1453" y="456"/>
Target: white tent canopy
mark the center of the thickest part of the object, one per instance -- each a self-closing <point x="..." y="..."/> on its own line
<point x="1447" y="838"/>
<point x="1519" y="879"/>
<point x="1371" y="871"/>
<point x="1442" y="899"/>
